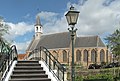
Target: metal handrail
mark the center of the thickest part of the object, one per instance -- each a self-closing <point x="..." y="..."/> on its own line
<point x="8" y="55"/>
<point x="3" y="53"/>
<point x="51" y="62"/>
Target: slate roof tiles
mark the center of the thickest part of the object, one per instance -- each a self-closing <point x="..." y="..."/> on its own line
<point x="62" y="40"/>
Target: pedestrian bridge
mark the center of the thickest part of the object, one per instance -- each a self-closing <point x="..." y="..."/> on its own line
<point x="39" y="65"/>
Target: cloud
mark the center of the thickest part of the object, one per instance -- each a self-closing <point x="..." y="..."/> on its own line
<point x="108" y="2"/>
<point x="95" y="18"/>
<point x="26" y="16"/>
<point x="47" y="16"/>
<point x="21" y="47"/>
<point x="82" y="2"/>
<point x="53" y="22"/>
<point x="18" y="29"/>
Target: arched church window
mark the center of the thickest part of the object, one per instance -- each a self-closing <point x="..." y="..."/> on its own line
<point x="78" y="55"/>
<point x="93" y="55"/>
<point x="64" y="56"/>
<point x="55" y="54"/>
<point x="102" y="55"/>
<point x="85" y="56"/>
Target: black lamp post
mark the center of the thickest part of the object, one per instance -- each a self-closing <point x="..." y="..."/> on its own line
<point x="72" y="17"/>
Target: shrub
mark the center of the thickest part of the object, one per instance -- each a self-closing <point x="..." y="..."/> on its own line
<point x="108" y="77"/>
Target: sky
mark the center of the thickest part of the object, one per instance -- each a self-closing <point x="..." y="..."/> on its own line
<point x="97" y="17"/>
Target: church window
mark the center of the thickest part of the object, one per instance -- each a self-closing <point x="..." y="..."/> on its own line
<point x="78" y="55"/>
<point x="85" y="56"/>
<point x="64" y="56"/>
<point x="55" y="54"/>
<point x="102" y="55"/>
<point x="93" y="55"/>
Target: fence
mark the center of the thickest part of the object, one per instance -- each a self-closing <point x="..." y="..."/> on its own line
<point x="42" y="54"/>
<point x="7" y="56"/>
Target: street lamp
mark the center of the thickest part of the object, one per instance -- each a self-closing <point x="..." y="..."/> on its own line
<point x="72" y="17"/>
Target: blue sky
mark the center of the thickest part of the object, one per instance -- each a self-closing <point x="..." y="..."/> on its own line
<point x="16" y="10"/>
<point x="97" y="17"/>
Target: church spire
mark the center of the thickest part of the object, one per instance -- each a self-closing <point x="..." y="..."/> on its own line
<point x="38" y="27"/>
<point x="38" y="20"/>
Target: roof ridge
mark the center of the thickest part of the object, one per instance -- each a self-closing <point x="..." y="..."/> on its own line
<point x="55" y="33"/>
<point x="88" y="36"/>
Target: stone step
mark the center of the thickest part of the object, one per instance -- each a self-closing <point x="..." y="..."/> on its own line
<point x="18" y="76"/>
<point x="28" y="68"/>
<point x="28" y="72"/>
<point x="30" y="61"/>
<point x="32" y="79"/>
<point x="28" y="64"/>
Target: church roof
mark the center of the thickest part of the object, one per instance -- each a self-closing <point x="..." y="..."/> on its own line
<point x="89" y="41"/>
<point x="33" y="44"/>
<point x="57" y="40"/>
<point x="62" y="40"/>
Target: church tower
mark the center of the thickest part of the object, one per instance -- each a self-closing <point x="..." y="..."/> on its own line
<point x="38" y="28"/>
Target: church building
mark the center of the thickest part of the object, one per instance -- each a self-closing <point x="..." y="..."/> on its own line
<point x="88" y="49"/>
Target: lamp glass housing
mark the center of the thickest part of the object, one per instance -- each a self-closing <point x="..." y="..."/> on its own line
<point x="72" y="17"/>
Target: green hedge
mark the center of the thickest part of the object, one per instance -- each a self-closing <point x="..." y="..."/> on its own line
<point x="97" y="77"/>
<point x="97" y="80"/>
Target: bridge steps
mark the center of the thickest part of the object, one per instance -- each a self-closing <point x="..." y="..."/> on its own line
<point x="28" y="71"/>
